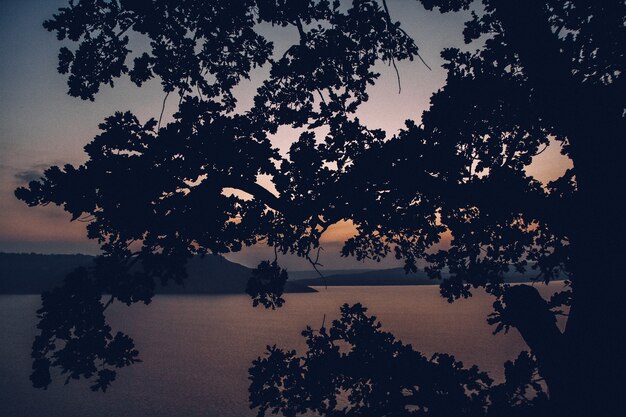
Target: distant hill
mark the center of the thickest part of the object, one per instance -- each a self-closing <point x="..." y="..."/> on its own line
<point x="217" y="275"/>
<point x="393" y="276"/>
<point x="312" y="273"/>
<point x="30" y="273"/>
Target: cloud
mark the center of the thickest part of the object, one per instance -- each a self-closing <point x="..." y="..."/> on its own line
<point x="34" y="172"/>
<point x="28" y="175"/>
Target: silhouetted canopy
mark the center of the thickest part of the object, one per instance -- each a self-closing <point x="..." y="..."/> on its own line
<point x="156" y="194"/>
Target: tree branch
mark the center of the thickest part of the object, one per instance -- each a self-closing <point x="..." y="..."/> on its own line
<point x="530" y="314"/>
<point x="259" y="192"/>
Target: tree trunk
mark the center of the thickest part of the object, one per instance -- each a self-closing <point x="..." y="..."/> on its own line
<point x="530" y="314"/>
<point x="593" y="333"/>
<point x="591" y="117"/>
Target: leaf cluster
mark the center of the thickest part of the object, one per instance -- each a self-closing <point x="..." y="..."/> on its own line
<point x="353" y="368"/>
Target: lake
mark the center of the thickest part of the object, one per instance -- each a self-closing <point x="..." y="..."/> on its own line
<point x="197" y="349"/>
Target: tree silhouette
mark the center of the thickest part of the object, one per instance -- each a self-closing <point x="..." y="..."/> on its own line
<point x="355" y="369"/>
<point x="153" y="195"/>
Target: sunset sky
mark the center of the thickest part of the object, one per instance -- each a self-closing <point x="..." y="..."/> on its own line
<point x="40" y="125"/>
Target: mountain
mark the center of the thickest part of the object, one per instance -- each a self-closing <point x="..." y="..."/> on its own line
<point x="393" y="276"/>
<point x="224" y="277"/>
<point x="30" y="273"/>
<point x="312" y="273"/>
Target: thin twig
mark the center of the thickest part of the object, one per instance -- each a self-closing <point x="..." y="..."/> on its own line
<point x="393" y="61"/>
<point x="405" y="34"/>
<point x="321" y="96"/>
<point x="318" y="255"/>
<point x="423" y="62"/>
<point x="108" y="303"/>
<point x="315" y="264"/>
<point x="542" y="151"/>
<point x="162" y="110"/>
<point x="387" y="9"/>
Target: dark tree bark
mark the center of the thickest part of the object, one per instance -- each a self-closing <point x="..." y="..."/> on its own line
<point x="589" y="360"/>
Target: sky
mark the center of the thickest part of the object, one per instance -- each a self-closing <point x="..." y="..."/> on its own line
<point x="40" y="125"/>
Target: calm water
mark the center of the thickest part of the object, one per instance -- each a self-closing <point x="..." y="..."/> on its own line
<point x="197" y="349"/>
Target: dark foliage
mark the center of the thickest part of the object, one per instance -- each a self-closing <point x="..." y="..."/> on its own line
<point x="75" y="337"/>
<point x="266" y="285"/>
<point x="356" y="369"/>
